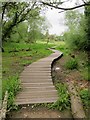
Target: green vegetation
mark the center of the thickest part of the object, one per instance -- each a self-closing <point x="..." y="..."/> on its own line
<point x="71" y="64"/>
<point x="85" y="96"/>
<point x="76" y="36"/>
<point x="62" y="46"/>
<point x="12" y="85"/>
<point x="17" y="56"/>
<point x="26" y="39"/>
<point x="63" y="101"/>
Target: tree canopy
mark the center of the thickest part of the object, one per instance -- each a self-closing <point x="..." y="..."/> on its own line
<point x="16" y="14"/>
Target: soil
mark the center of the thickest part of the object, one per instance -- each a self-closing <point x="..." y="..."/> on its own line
<point x="59" y="74"/>
<point x="38" y="112"/>
<point x="62" y="75"/>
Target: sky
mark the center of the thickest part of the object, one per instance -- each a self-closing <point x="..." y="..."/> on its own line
<point x="57" y="20"/>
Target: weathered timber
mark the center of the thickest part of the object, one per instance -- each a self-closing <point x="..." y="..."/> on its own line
<point x="76" y="103"/>
<point x="36" y="82"/>
<point x="4" y="107"/>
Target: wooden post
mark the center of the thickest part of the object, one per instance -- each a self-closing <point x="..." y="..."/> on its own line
<point x="76" y="103"/>
<point x="4" y="107"/>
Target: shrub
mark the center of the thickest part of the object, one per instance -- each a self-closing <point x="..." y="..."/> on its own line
<point x="12" y="85"/>
<point x="85" y="96"/>
<point x="71" y="64"/>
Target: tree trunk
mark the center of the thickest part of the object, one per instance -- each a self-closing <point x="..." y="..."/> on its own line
<point x="3" y="49"/>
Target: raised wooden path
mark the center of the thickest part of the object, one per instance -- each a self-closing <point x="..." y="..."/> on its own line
<point x="36" y="82"/>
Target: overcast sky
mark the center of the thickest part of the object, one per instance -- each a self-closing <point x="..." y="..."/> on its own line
<point x="57" y="20"/>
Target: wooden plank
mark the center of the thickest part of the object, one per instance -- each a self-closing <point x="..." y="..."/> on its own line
<point x="38" y="92"/>
<point x="4" y="107"/>
<point x="36" y="82"/>
<point x="33" y="89"/>
<point x="33" y="97"/>
<point x="35" y="85"/>
<point x="38" y="100"/>
<point x="38" y="88"/>
<point x="34" y="77"/>
<point x="35" y="73"/>
<point x="39" y="69"/>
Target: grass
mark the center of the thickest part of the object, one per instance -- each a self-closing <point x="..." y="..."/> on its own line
<point x="15" y="57"/>
<point x="71" y="64"/>
<point x="63" y="101"/>
<point x="26" y="55"/>
<point x="85" y="96"/>
<point x="12" y="85"/>
<point x="81" y="64"/>
<point x="63" y="48"/>
<point x="80" y="61"/>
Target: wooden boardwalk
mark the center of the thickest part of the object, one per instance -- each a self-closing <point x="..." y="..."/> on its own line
<point x="36" y="82"/>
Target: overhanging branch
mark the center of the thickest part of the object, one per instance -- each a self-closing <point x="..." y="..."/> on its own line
<point x="65" y="9"/>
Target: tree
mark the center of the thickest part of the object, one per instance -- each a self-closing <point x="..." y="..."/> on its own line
<point x="37" y="25"/>
<point x="14" y="13"/>
<point x="14" y="16"/>
<point x="19" y="33"/>
<point x="76" y="35"/>
<point x="56" y="4"/>
<point x="87" y="28"/>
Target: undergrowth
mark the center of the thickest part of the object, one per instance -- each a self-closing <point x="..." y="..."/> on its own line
<point x="12" y="85"/>
<point x="71" y="64"/>
<point x="63" y="101"/>
<point x="85" y="96"/>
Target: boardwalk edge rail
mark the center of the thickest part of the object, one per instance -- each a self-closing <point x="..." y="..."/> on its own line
<point x="4" y="107"/>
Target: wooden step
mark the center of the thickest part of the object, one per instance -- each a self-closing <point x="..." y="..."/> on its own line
<point x="36" y="85"/>
<point x="33" y="101"/>
<point x="36" y="82"/>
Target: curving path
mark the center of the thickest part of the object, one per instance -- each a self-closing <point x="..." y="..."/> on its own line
<point x="36" y="82"/>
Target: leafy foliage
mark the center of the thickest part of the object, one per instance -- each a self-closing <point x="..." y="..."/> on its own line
<point x="87" y="28"/>
<point x="76" y="36"/>
<point x="63" y="101"/>
<point x="12" y="85"/>
<point x="23" y="20"/>
<point x="71" y="64"/>
<point x="85" y="96"/>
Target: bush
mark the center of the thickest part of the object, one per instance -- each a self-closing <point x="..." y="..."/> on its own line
<point x="71" y="64"/>
<point x="12" y="85"/>
<point x="85" y="96"/>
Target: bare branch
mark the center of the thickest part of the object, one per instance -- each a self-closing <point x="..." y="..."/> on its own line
<point x="84" y="1"/>
<point x="65" y="9"/>
<point x="61" y="11"/>
<point x="3" y="9"/>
